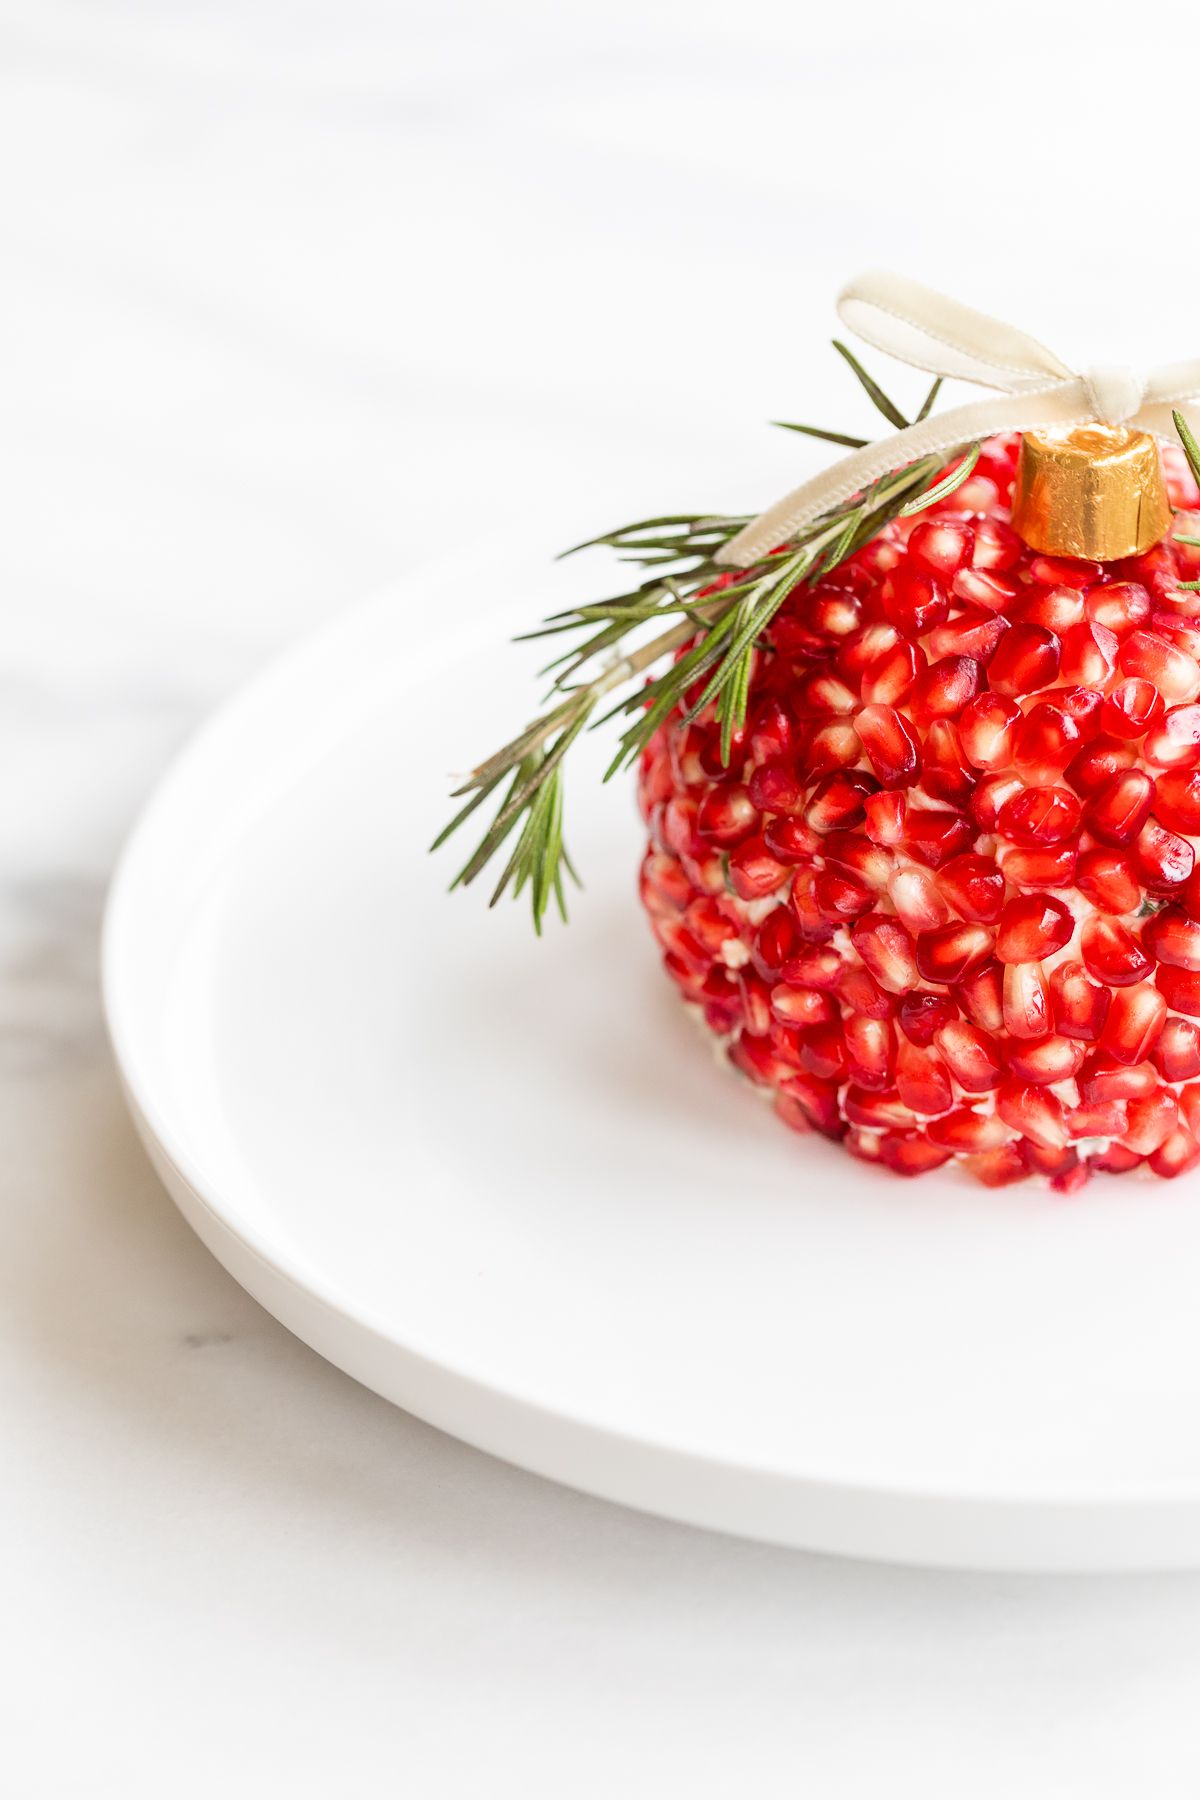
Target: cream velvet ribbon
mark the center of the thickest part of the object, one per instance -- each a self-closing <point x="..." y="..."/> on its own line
<point x="1032" y="386"/>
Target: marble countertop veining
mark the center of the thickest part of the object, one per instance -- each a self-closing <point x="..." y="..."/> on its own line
<point x="288" y="292"/>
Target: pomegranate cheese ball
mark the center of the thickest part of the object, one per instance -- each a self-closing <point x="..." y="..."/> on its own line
<point x="943" y="903"/>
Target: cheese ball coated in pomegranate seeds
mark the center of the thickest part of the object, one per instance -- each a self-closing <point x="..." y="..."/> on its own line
<point x="942" y="904"/>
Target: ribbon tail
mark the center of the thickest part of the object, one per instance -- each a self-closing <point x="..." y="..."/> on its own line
<point x="1062" y="403"/>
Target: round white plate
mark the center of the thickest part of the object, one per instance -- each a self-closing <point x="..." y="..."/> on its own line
<point x="505" y="1184"/>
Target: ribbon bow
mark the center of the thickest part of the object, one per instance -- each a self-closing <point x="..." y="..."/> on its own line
<point x="921" y="327"/>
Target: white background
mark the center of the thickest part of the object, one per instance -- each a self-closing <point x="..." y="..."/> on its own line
<point x="294" y="297"/>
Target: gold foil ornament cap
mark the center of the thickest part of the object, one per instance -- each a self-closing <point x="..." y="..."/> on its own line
<point x="1094" y="491"/>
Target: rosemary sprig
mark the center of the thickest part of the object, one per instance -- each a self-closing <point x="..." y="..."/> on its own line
<point x="689" y="602"/>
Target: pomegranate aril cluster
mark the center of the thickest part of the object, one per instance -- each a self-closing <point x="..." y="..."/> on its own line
<point x="942" y="904"/>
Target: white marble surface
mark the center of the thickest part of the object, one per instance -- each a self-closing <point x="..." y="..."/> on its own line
<point x="295" y="295"/>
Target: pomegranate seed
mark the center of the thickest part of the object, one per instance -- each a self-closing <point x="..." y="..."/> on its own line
<point x="917" y="900"/>
<point x="877" y="1111"/>
<point x="922" y="1015"/>
<point x="727" y="815"/>
<point x="1103" y="1078"/>
<point x="885" y="815"/>
<point x="1121" y="807"/>
<point x="1122" y="606"/>
<point x="981" y="997"/>
<point x="1175" y="742"/>
<point x="1026" y="1002"/>
<point x="1040" y="816"/>
<point x="776" y="942"/>
<point x="1115" y="1160"/>
<point x="820" y="694"/>
<point x="944" y="688"/>
<point x="990" y="796"/>
<point x="854" y="851"/>
<point x="770" y="732"/>
<point x="753" y="871"/>
<point x="891" y="745"/>
<point x="756" y="1004"/>
<point x="1152" y="1119"/>
<point x="953" y="951"/>
<point x="998" y="1168"/>
<point x="1177" y="1155"/>
<point x="810" y="920"/>
<point x="974" y="887"/>
<point x="777" y="787"/>
<point x="910" y="1153"/>
<point x="1046" y="742"/>
<point x="1079" y="1004"/>
<point x="971" y="634"/>
<point x="914" y="601"/>
<point x="1180" y="989"/>
<point x="997" y="546"/>
<point x="1111" y="952"/>
<point x="940" y="546"/>
<point x="1103" y="1118"/>
<point x="1098" y="762"/>
<point x="987" y="589"/>
<point x="887" y="950"/>
<point x="1135" y="1018"/>
<point x="862" y="993"/>
<point x="708" y="924"/>
<point x="1107" y="879"/>
<point x="870" y="1050"/>
<point x="889" y="679"/>
<point x="790" y="840"/>
<point x="1089" y="654"/>
<point x="935" y="836"/>
<point x="1173" y="672"/>
<point x="756" y="1058"/>
<point x="679" y="827"/>
<point x="1162" y="859"/>
<point x="819" y="1099"/>
<point x="823" y="1053"/>
<point x="841" y="896"/>
<point x="1172" y="937"/>
<point x="1057" y="608"/>
<point x="665" y="888"/>
<point x="943" y="774"/>
<point x="837" y="801"/>
<point x="795" y="1006"/>
<point x="1132" y="709"/>
<point x="1177" y="800"/>
<point x="972" y="1057"/>
<point x="1043" y="1061"/>
<point x="1189" y="1103"/>
<point x="921" y="1079"/>
<point x="1032" y="927"/>
<point x="1176" y="1055"/>
<point x="1033" y="1112"/>
<point x="793" y="1114"/>
<point x="1069" y="571"/>
<point x="964" y="1129"/>
<point x="833" y="746"/>
<point x="1027" y="658"/>
<point x="1028" y="868"/>
<point x="987" y="731"/>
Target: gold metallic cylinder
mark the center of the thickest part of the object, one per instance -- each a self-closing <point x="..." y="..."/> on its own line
<point x="1095" y="491"/>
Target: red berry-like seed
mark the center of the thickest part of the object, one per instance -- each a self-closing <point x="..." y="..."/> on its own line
<point x="1121" y="807"/>
<point x="921" y="1079"/>
<point x="917" y="899"/>
<point x="753" y="871"/>
<point x="914" y="601"/>
<point x="974" y="887"/>
<point x="832" y="746"/>
<point x="727" y="815"/>
<point x="1080" y="1005"/>
<point x="885" y="814"/>
<point x="911" y="1153"/>
<point x="1108" y="881"/>
<point x="945" y="688"/>
<point x="1162" y="859"/>
<point x="1057" y="608"/>
<point x="1121" y="607"/>
<point x="1103" y="1078"/>
<point x="1135" y="1019"/>
<point x="998" y="1168"/>
<point x="964" y="1129"/>
<point x="776" y="786"/>
<point x="891" y="744"/>
<point x="1175" y="742"/>
<point x="1172" y="937"/>
<point x="1177" y="1155"/>
<point x="1180" y="988"/>
<point x="1027" y="658"/>
<point x="1151" y="1120"/>
<point x="870" y="1050"/>
<point x="1026" y="1001"/>
<point x="1102" y="1118"/>
<point x="971" y="1055"/>
<point x="944" y="775"/>
<point x="935" y="836"/>
<point x="981" y="997"/>
<point x="941" y="546"/>
<point x="1132" y="709"/>
<point x="888" y="681"/>
<point x="1046" y="1060"/>
<point x="838" y="801"/>
<point x="1089" y="654"/>
<point x="1173" y="672"/>
<point x="1026" y="867"/>
<point x="1111" y="952"/>
<point x="1033" y="1111"/>
<point x="1098" y="762"/>
<point x="987" y="731"/>
<point x="887" y="950"/>
<point x="987" y="802"/>
<point x="1177" y="800"/>
<point x="921" y="1016"/>
<point x="953" y="952"/>
<point x="971" y="634"/>
<point x="1176" y="1055"/>
<point x="1032" y="927"/>
<point x="1040" y="816"/>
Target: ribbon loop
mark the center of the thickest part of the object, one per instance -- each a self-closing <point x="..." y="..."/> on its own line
<point x="1032" y="388"/>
